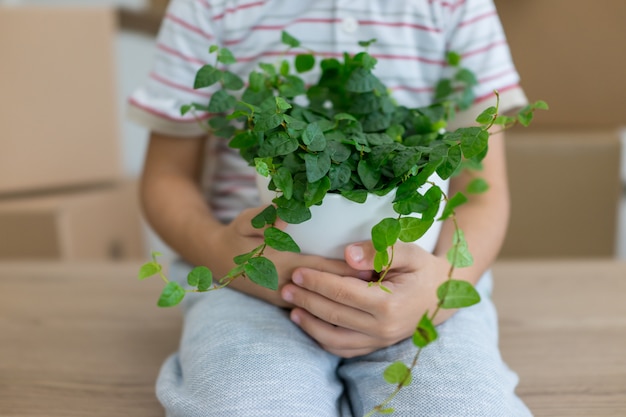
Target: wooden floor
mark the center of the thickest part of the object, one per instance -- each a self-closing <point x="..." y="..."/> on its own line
<point x="87" y="339"/>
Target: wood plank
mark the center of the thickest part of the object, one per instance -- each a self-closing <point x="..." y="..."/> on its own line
<point x="563" y="329"/>
<point x="88" y="340"/>
<point x="81" y="340"/>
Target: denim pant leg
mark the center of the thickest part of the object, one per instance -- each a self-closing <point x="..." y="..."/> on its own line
<point x="241" y="357"/>
<point x="460" y="374"/>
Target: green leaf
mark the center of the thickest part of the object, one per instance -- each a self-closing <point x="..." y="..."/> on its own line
<point x="487" y="116"/>
<point x="225" y="56"/>
<point x="316" y="191"/>
<point x="232" y="81"/>
<point x="358" y="196"/>
<point x="262" y="271"/>
<point x="433" y="195"/>
<point x="414" y="203"/>
<point x="304" y="62"/>
<point x="467" y="77"/>
<point x="317" y="165"/>
<point x="339" y="175"/>
<point x="289" y="40"/>
<point x="366" y="44"/>
<point x="453" y="58"/>
<point x="282" y="104"/>
<point x="245" y="257"/>
<point x="459" y="255"/>
<point x="171" y="295"/>
<point x="200" y="277"/>
<point x="292" y="211"/>
<point x="360" y="81"/>
<point x="457" y="294"/>
<point x="426" y="333"/>
<point x="278" y="143"/>
<point x="443" y="90"/>
<point x="266" y="122"/>
<point x="284" y="181"/>
<point x="344" y="116"/>
<point x="385" y="233"/>
<point x="292" y="86"/>
<point x="473" y="140"/>
<point x="213" y="48"/>
<point x="451" y="163"/>
<point x="284" y="68"/>
<point x="541" y="105"/>
<point x="477" y="186"/>
<point x="265" y="217"/>
<point x="405" y="160"/>
<point x="207" y="76"/>
<point x="314" y="138"/>
<point x="398" y="373"/>
<point x="149" y="269"/>
<point x="262" y="166"/>
<point x="243" y="140"/>
<point x="413" y="228"/>
<point x="458" y="199"/>
<point x="381" y="260"/>
<point x="256" y="81"/>
<point x="280" y="240"/>
<point x="221" y="101"/>
<point x="368" y="174"/>
<point x="185" y="108"/>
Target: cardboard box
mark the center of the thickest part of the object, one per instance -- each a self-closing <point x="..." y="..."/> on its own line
<point x="100" y="223"/>
<point x="158" y="5"/>
<point x="58" y="118"/>
<point x="570" y="53"/>
<point x="565" y="191"/>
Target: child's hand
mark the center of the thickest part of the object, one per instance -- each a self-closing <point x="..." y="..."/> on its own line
<point x="239" y="237"/>
<point x="349" y="318"/>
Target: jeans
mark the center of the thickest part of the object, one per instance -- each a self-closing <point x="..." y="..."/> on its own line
<point x="242" y="357"/>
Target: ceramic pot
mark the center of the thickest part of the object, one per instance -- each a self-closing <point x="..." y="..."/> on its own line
<point x="338" y="222"/>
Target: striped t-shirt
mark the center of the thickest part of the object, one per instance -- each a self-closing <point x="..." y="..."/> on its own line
<point x="413" y="38"/>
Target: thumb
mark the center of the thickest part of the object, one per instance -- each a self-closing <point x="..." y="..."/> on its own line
<point x="360" y="255"/>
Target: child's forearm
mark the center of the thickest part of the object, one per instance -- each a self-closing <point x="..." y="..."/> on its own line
<point x="484" y="218"/>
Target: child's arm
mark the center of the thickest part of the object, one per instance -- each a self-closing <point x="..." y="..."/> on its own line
<point x="174" y="206"/>
<point x="348" y="318"/>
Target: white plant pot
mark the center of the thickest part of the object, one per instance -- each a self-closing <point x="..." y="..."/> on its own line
<point x="338" y="222"/>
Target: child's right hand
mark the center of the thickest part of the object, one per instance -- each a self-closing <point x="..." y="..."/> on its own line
<point x="239" y="236"/>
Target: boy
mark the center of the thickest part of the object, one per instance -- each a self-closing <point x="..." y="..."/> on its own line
<point x="319" y="345"/>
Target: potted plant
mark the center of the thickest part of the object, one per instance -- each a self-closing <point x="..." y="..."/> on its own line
<point x="344" y="138"/>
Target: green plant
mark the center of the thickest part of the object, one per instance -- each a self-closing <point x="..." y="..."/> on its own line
<point x="353" y="139"/>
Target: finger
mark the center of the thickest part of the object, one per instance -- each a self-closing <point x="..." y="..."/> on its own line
<point x="342" y="290"/>
<point x="336" y="340"/>
<point x="328" y="310"/>
<point x="406" y="256"/>
<point x="243" y="222"/>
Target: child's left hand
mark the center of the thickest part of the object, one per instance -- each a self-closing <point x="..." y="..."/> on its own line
<point x="348" y="318"/>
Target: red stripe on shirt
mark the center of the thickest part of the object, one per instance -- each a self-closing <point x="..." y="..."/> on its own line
<point x="176" y="53"/>
<point x="477" y="18"/>
<point x="235" y="9"/>
<point x="399" y="24"/>
<point x="188" y="26"/>
<point x="419" y="90"/>
<point x="338" y="55"/>
<point x="176" y="86"/>
<point x="166" y="116"/>
<point x="485" y="48"/>
<point x="500" y="91"/>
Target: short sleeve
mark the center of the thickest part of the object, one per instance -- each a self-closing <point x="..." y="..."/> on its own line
<point x="474" y="30"/>
<point x="181" y="49"/>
